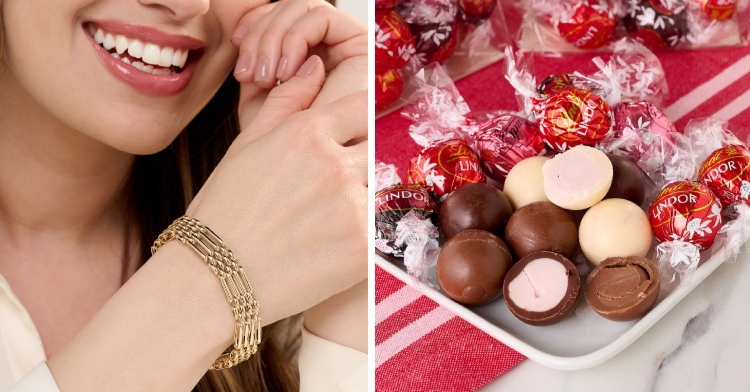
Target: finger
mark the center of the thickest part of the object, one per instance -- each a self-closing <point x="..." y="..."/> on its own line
<point x="291" y="97"/>
<point x="343" y="35"/>
<point x="251" y="19"/>
<point x="342" y="120"/>
<point x="251" y="100"/>
<point x="268" y="61"/>
<point x="244" y="70"/>
<point x="358" y="160"/>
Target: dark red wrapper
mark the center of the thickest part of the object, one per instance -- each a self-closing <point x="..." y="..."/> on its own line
<point x="633" y="117"/>
<point x="572" y="117"/>
<point x="434" y="42"/>
<point x="444" y="166"/>
<point x="687" y="211"/>
<point x="654" y="25"/>
<point x="391" y="204"/>
<point x="386" y="4"/>
<point x="718" y="9"/>
<point x="554" y="83"/>
<point x="394" y="43"/>
<point x="726" y="173"/>
<point x="504" y="141"/>
<point x="591" y="25"/>
<point x="475" y="11"/>
<point x="388" y="88"/>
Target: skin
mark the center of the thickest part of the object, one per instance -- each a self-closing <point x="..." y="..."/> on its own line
<point x="62" y="166"/>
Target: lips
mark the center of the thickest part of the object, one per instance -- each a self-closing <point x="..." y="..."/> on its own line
<point x="146" y="59"/>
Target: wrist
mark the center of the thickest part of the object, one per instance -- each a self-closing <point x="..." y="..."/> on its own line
<point x="341" y="318"/>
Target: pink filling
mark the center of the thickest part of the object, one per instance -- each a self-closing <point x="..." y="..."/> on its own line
<point x="573" y="173"/>
<point x="541" y="285"/>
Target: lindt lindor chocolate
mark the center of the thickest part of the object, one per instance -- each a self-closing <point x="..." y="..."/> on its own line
<point x="655" y="25"/>
<point x="614" y="228"/>
<point x="627" y="180"/>
<point x="633" y="118"/>
<point x="391" y="204"/>
<point x="434" y="42"/>
<point x="444" y="166"/>
<point x="475" y="11"/>
<point x="472" y="265"/>
<point x="386" y="4"/>
<point x="553" y="294"/>
<point x="554" y="83"/>
<point x="475" y="206"/>
<point x="718" y="9"/>
<point x="571" y="117"/>
<point x="578" y="178"/>
<point x="504" y="141"/>
<point x="591" y="24"/>
<point x="541" y="226"/>
<point x="389" y="85"/>
<point x="623" y="288"/>
<point x="687" y="211"/>
<point x="394" y="43"/>
<point x="525" y="182"/>
<point x="727" y="173"/>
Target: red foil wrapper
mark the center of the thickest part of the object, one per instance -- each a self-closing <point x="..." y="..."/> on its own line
<point x="505" y="141"/>
<point x="654" y="25"/>
<point x="434" y="42"/>
<point x="726" y="173"/>
<point x="475" y="11"/>
<point x="571" y="117"/>
<point x="386" y="4"/>
<point x="394" y="43"/>
<point x="642" y="116"/>
<point x="688" y="211"/>
<point x="591" y="25"/>
<point x="554" y="83"/>
<point x="391" y="204"/>
<point x="718" y="9"/>
<point x="444" y="166"/>
<point x="389" y="86"/>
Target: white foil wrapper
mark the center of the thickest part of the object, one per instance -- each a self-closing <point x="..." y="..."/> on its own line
<point x="421" y="239"/>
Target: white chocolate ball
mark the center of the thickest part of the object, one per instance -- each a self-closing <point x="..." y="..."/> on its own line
<point x="578" y="178"/>
<point x="524" y="183"/>
<point x="614" y="228"/>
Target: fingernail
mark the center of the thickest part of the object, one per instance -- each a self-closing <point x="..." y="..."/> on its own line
<point x="261" y="70"/>
<point x="238" y="33"/>
<point x="243" y="62"/>
<point x="309" y="66"/>
<point x="281" y="69"/>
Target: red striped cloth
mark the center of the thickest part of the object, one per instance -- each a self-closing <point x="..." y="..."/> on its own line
<point x="421" y="346"/>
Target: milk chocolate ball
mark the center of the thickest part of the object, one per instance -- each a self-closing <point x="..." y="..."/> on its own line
<point x="475" y="206"/>
<point x="627" y="180"/>
<point x="472" y="265"/>
<point x="623" y="288"/>
<point x="541" y="226"/>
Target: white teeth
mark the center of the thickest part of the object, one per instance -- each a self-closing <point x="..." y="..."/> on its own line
<point x="99" y="36"/>
<point x="151" y="54"/>
<point x="135" y="48"/>
<point x="115" y="55"/>
<point x="184" y="58"/>
<point x="177" y="58"/>
<point x="148" y="68"/>
<point x="125" y="60"/>
<point x="109" y="42"/>
<point x="121" y="44"/>
<point x="165" y="59"/>
<point x="138" y="65"/>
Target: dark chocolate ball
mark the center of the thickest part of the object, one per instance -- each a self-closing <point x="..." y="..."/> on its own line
<point x="541" y="226"/>
<point x="472" y="265"/>
<point x="475" y="206"/>
<point x="627" y="180"/>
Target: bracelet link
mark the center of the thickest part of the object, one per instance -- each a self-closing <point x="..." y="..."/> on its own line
<point x="237" y="289"/>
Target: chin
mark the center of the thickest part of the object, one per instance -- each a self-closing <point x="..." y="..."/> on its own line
<point x="139" y="140"/>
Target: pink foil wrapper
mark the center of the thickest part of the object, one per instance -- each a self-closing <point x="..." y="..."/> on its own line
<point x="633" y="118"/>
<point x="504" y="141"/>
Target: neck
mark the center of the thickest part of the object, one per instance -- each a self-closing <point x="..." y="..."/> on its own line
<point x="54" y="179"/>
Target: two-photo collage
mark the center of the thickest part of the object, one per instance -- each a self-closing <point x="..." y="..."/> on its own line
<point x="374" y="195"/>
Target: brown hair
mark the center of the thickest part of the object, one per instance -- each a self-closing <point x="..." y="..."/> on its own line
<point x="162" y="185"/>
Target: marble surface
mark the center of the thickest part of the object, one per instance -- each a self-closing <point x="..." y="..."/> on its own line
<point x="702" y="344"/>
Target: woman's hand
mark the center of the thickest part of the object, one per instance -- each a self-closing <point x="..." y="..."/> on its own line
<point x="276" y="39"/>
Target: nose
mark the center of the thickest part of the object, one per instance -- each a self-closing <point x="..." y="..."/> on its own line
<point x="182" y="10"/>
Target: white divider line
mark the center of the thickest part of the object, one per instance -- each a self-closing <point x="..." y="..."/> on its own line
<point x="410" y="334"/>
<point x="702" y="93"/>
<point x="739" y="105"/>
<point x="395" y="302"/>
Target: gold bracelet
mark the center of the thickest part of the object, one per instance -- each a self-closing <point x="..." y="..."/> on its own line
<point x="206" y="244"/>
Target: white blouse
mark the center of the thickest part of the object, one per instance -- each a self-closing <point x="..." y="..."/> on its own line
<point x="323" y="365"/>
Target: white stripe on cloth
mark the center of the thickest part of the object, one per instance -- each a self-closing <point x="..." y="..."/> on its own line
<point x="410" y="334"/>
<point x="739" y="105"/>
<point x="702" y="93"/>
<point x="395" y="302"/>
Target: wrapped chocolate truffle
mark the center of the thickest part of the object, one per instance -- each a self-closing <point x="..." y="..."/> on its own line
<point x="475" y="206"/>
<point x="386" y="4"/>
<point x="389" y="85"/>
<point x="394" y="43"/>
<point x="571" y="117"/>
<point x="444" y="166"/>
<point x="718" y="9"/>
<point x="727" y="173"/>
<point x="434" y="42"/>
<point x="654" y="24"/>
<point x="475" y="11"/>
<point x="391" y="204"/>
<point x="550" y="297"/>
<point x="505" y="141"/>
<point x="587" y="24"/>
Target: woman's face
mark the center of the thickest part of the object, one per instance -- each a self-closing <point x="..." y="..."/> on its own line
<point x="170" y="57"/>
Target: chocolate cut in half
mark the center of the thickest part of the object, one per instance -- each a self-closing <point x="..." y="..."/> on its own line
<point x="471" y="267"/>
<point x="541" y="288"/>
<point x="623" y="288"/>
